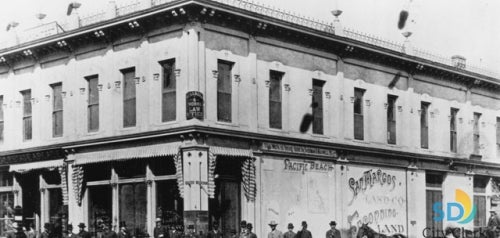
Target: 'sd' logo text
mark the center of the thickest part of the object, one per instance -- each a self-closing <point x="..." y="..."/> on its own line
<point x="466" y="210"/>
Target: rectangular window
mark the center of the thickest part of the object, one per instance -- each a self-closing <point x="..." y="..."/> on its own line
<point x="453" y="129"/>
<point x="317" y="105"/>
<point x="424" y="125"/>
<point x="433" y="194"/>
<point x="168" y="101"/>
<point x="391" y="119"/>
<point x="275" y="99"/>
<point x="1" y="118"/>
<point x="480" y="183"/>
<point x="498" y="132"/>
<point x="57" y="110"/>
<point x="358" y="114"/>
<point x="27" y="128"/>
<point x="129" y="102"/>
<point x="475" y="132"/>
<point x="224" y="91"/>
<point x="93" y="103"/>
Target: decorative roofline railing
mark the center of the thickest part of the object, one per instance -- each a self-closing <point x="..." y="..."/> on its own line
<point x="53" y="28"/>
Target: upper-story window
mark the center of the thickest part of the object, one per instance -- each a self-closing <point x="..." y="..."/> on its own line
<point x="57" y="110"/>
<point x="129" y="97"/>
<point x="1" y="118"/>
<point x="168" y="101"/>
<point x="391" y="119"/>
<point x="475" y="132"/>
<point x="317" y="105"/>
<point x="93" y="103"/>
<point x="453" y="129"/>
<point x="424" y="125"/>
<point x="275" y="99"/>
<point x="27" y="124"/>
<point x="498" y="132"/>
<point x="224" y="90"/>
<point x="358" y="114"/>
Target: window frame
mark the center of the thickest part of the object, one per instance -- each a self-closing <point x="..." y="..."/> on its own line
<point x="476" y="133"/>
<point x="224" y="94"/>
<point x="93" y="102"/>
<point x="276" y="101"/>
<point x="57" y="96"/>
<point x="27" y="116"/>
<point x="391" y="121"/>
<point x="453" y="130"/>
<point x="2" y="122"/>
<point x="132" y="99"/>
<point x="166" y="92"/>
<point x="317" y="110"/>
<point x="358" y="123"/>
<point x="424" y="124"/>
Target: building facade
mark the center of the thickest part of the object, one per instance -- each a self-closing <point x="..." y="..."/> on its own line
<point x="202" y="111"/>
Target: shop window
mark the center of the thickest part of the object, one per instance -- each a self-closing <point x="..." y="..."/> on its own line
<point x="424" y="125"/>
<point x="98" y="172"/>
<point x="129" y="97"/>
<point x="131" y="169"/>
<point x="31" y="196"/>
<point x="93" y="103"/>
<point x="27" y="124"/>
<point x="275" y="99"/>
<point x="57" y="110"/>
<point x="480" y="183"/>
<point x="168" y="102"/>
<point x="453" y="129"/>
<point x="317" y="105"/>
<point x="224" y="91"/>
<point x="433" y="194"/>
<point x="1" y="118"/>
<point x="475" y="132"/>
<point x="169" y="204"/>
<point x="391" y="119"/>
<point x="57" y="212"/>
<point x="225" y="207"/>
<point x="358" y="114"/>
<point x="162" y="166"/>
<point x="100" y="207"/>
<point x="132" y="205"/>
<point x="6" y="203"/>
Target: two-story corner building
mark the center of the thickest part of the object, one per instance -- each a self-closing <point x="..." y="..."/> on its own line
<point x="191" y="111"/>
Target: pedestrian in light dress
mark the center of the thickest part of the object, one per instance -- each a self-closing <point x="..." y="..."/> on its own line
<point x="289" y="233"/>
<point x="274" y="233"/>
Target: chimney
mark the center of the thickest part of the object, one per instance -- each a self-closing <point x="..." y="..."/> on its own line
<point x="111" y="10"/>
<point x="458" y="61"/>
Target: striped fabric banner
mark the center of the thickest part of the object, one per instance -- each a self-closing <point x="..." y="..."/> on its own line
<point x="77" y="179"/>
<point x="248" y="176"/>
<point x="178" y="173"/>
<point x="212" y="160"/>
<point x="64" y="184"/>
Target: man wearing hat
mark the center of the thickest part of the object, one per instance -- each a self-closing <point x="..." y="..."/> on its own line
<point x="333" y="232"/>
<point x="249" y="233"/>
<point x="106" y="232"/>
<point x="83" y="233"/>
<point x="69" y="232"/>
<point x="160" y="231"/>
<point x="493" y="224"/>
<point x="289" y="233"/>
<point x="274" y="233"/>
<point x="190" y="233"/>
<point x="123" y="233"/>
<point x="304" y="233"/>
<point x="243" y="228"/>
<point x="215" y="232"/>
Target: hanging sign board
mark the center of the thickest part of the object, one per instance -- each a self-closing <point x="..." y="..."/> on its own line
<point x="194" y="105"/>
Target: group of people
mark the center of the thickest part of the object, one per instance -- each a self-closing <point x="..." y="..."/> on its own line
<point x="246" y="231"/>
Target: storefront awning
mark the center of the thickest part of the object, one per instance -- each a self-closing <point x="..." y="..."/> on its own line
<point x="226" y="151"/>
<point x="26" y="167"/>
<point x="146" y="151"/>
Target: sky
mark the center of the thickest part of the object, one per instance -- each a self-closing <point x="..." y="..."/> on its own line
<point x="470" y="28"/>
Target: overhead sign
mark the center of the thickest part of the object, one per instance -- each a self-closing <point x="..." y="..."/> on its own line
<point x="194" y="105"/>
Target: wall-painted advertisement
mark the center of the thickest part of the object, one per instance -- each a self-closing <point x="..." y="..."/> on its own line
<point x="376" y="196"/>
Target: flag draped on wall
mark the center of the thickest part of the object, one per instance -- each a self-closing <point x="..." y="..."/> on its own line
<point x="77" y="179"/>
<point x="248" y="176"/>
<point x="212" y="159"/>
<point x="178" y="173"/>
<point x="64" y="183"/>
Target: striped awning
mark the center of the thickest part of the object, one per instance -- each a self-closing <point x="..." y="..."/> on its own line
<point x="226" y="151"/>
<point x="145" y="151"/>
<point x="27" y="167"/>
